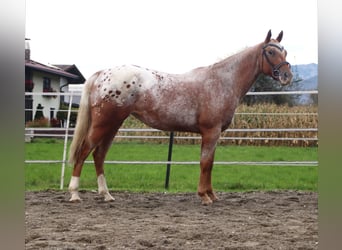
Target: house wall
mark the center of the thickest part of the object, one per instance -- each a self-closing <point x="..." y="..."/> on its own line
<point x="47" y="102"/>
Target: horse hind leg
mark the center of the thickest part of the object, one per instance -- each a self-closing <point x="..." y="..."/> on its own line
<point x="104" y="131"/>
<point x="98" y="140"/>
<point x="75" y="178"/>
<point x="99" y="156"/>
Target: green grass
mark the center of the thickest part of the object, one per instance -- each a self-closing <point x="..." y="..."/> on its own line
<point x="183" y="178"/>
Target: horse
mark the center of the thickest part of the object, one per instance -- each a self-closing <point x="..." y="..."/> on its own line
<point x="201" y="101"/>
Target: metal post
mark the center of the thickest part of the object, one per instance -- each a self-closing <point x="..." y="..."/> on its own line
<point x="66" y="141"/>
<point x="169" y="158"/>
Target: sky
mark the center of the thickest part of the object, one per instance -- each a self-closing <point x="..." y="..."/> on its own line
<point x="173" y="36"/>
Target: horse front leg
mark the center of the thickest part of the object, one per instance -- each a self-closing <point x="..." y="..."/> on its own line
<point x="205" y="189"/>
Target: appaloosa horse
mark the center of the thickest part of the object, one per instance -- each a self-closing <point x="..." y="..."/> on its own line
<point x="202" y="100"/>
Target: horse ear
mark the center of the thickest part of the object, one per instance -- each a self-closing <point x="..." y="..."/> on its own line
<point x="268" y="37"/>
<point x="280" y="36"/>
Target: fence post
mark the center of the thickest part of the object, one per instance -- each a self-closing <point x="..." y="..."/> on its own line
<point x="169" y="158"/>
<point x="66" y="141"/>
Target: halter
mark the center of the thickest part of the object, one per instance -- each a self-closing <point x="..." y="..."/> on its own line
<point x="275" y="68"/>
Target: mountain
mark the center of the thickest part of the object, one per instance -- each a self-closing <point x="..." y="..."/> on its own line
<point x="305" y="78"/>
<point x="309" y="84"/>
<point x="308" y="73"/>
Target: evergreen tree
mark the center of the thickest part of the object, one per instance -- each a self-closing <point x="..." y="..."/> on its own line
<point x="265" y="83"/>
<point x="39" y="112"/>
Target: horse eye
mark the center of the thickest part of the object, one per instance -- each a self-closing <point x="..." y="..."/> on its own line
<point x="270" y="52"/>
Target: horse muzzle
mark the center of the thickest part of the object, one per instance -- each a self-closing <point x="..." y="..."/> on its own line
<point x="283" y="76"/>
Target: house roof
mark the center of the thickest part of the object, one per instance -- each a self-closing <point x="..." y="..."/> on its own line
<point x="68" y="71"/>
<point x="73" y="70"/>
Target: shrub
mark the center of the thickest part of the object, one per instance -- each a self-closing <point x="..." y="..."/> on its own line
<point x="55" y="123"/>
<point x="38" y="123"/>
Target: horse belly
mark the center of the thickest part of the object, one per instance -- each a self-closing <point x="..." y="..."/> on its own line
<point x="168" y="113"/>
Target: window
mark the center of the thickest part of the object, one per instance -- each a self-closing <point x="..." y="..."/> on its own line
<point x="28" y="81"/>
<point x="47" y="84"/>
<point x="47" y="87"/>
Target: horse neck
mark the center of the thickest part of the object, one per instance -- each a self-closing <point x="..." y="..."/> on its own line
<point x="241" y="70"/>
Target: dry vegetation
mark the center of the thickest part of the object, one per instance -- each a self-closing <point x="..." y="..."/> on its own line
<point x="261" y="116"/>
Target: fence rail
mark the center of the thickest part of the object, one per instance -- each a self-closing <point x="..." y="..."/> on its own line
<point x="245" y="163"/>
<point x="30" y="132"/>
<point x="78" y="93"/>
<point x="67" y="133"/>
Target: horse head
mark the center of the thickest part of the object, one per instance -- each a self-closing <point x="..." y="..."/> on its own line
<point x="276" y="65"/>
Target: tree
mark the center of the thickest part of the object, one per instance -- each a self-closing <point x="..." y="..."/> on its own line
<point x="265" y="83"/>
<point x="39" y="112"/>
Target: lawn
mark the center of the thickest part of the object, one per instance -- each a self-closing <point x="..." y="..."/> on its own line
<point x="183" y="178"/>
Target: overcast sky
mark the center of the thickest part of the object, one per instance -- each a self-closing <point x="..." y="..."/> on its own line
<point x="168" y="35"/>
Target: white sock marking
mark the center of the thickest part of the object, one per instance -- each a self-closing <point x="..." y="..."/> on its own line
<point x="103" y="189"/>
<point x="73" y="188"/>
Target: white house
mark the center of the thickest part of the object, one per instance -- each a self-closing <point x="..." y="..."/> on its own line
<point x="42" y="78"/>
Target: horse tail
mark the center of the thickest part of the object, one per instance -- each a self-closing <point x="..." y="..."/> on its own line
<point x="83" y="122"/>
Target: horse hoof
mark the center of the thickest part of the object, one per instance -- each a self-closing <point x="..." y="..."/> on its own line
<point x="108" y="198"/>
<point x="206" y="200"/>
<point x="75" y="200"/>
<point x="75" y="197"/>
<point x="213" y="197"/>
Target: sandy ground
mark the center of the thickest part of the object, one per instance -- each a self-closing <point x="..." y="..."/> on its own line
<point x="252" y="220"/>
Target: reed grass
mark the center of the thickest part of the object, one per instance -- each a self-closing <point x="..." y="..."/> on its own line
<point x="251" y="117"/>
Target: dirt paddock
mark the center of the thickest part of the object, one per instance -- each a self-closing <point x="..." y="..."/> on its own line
<point x="252" y="220"/>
